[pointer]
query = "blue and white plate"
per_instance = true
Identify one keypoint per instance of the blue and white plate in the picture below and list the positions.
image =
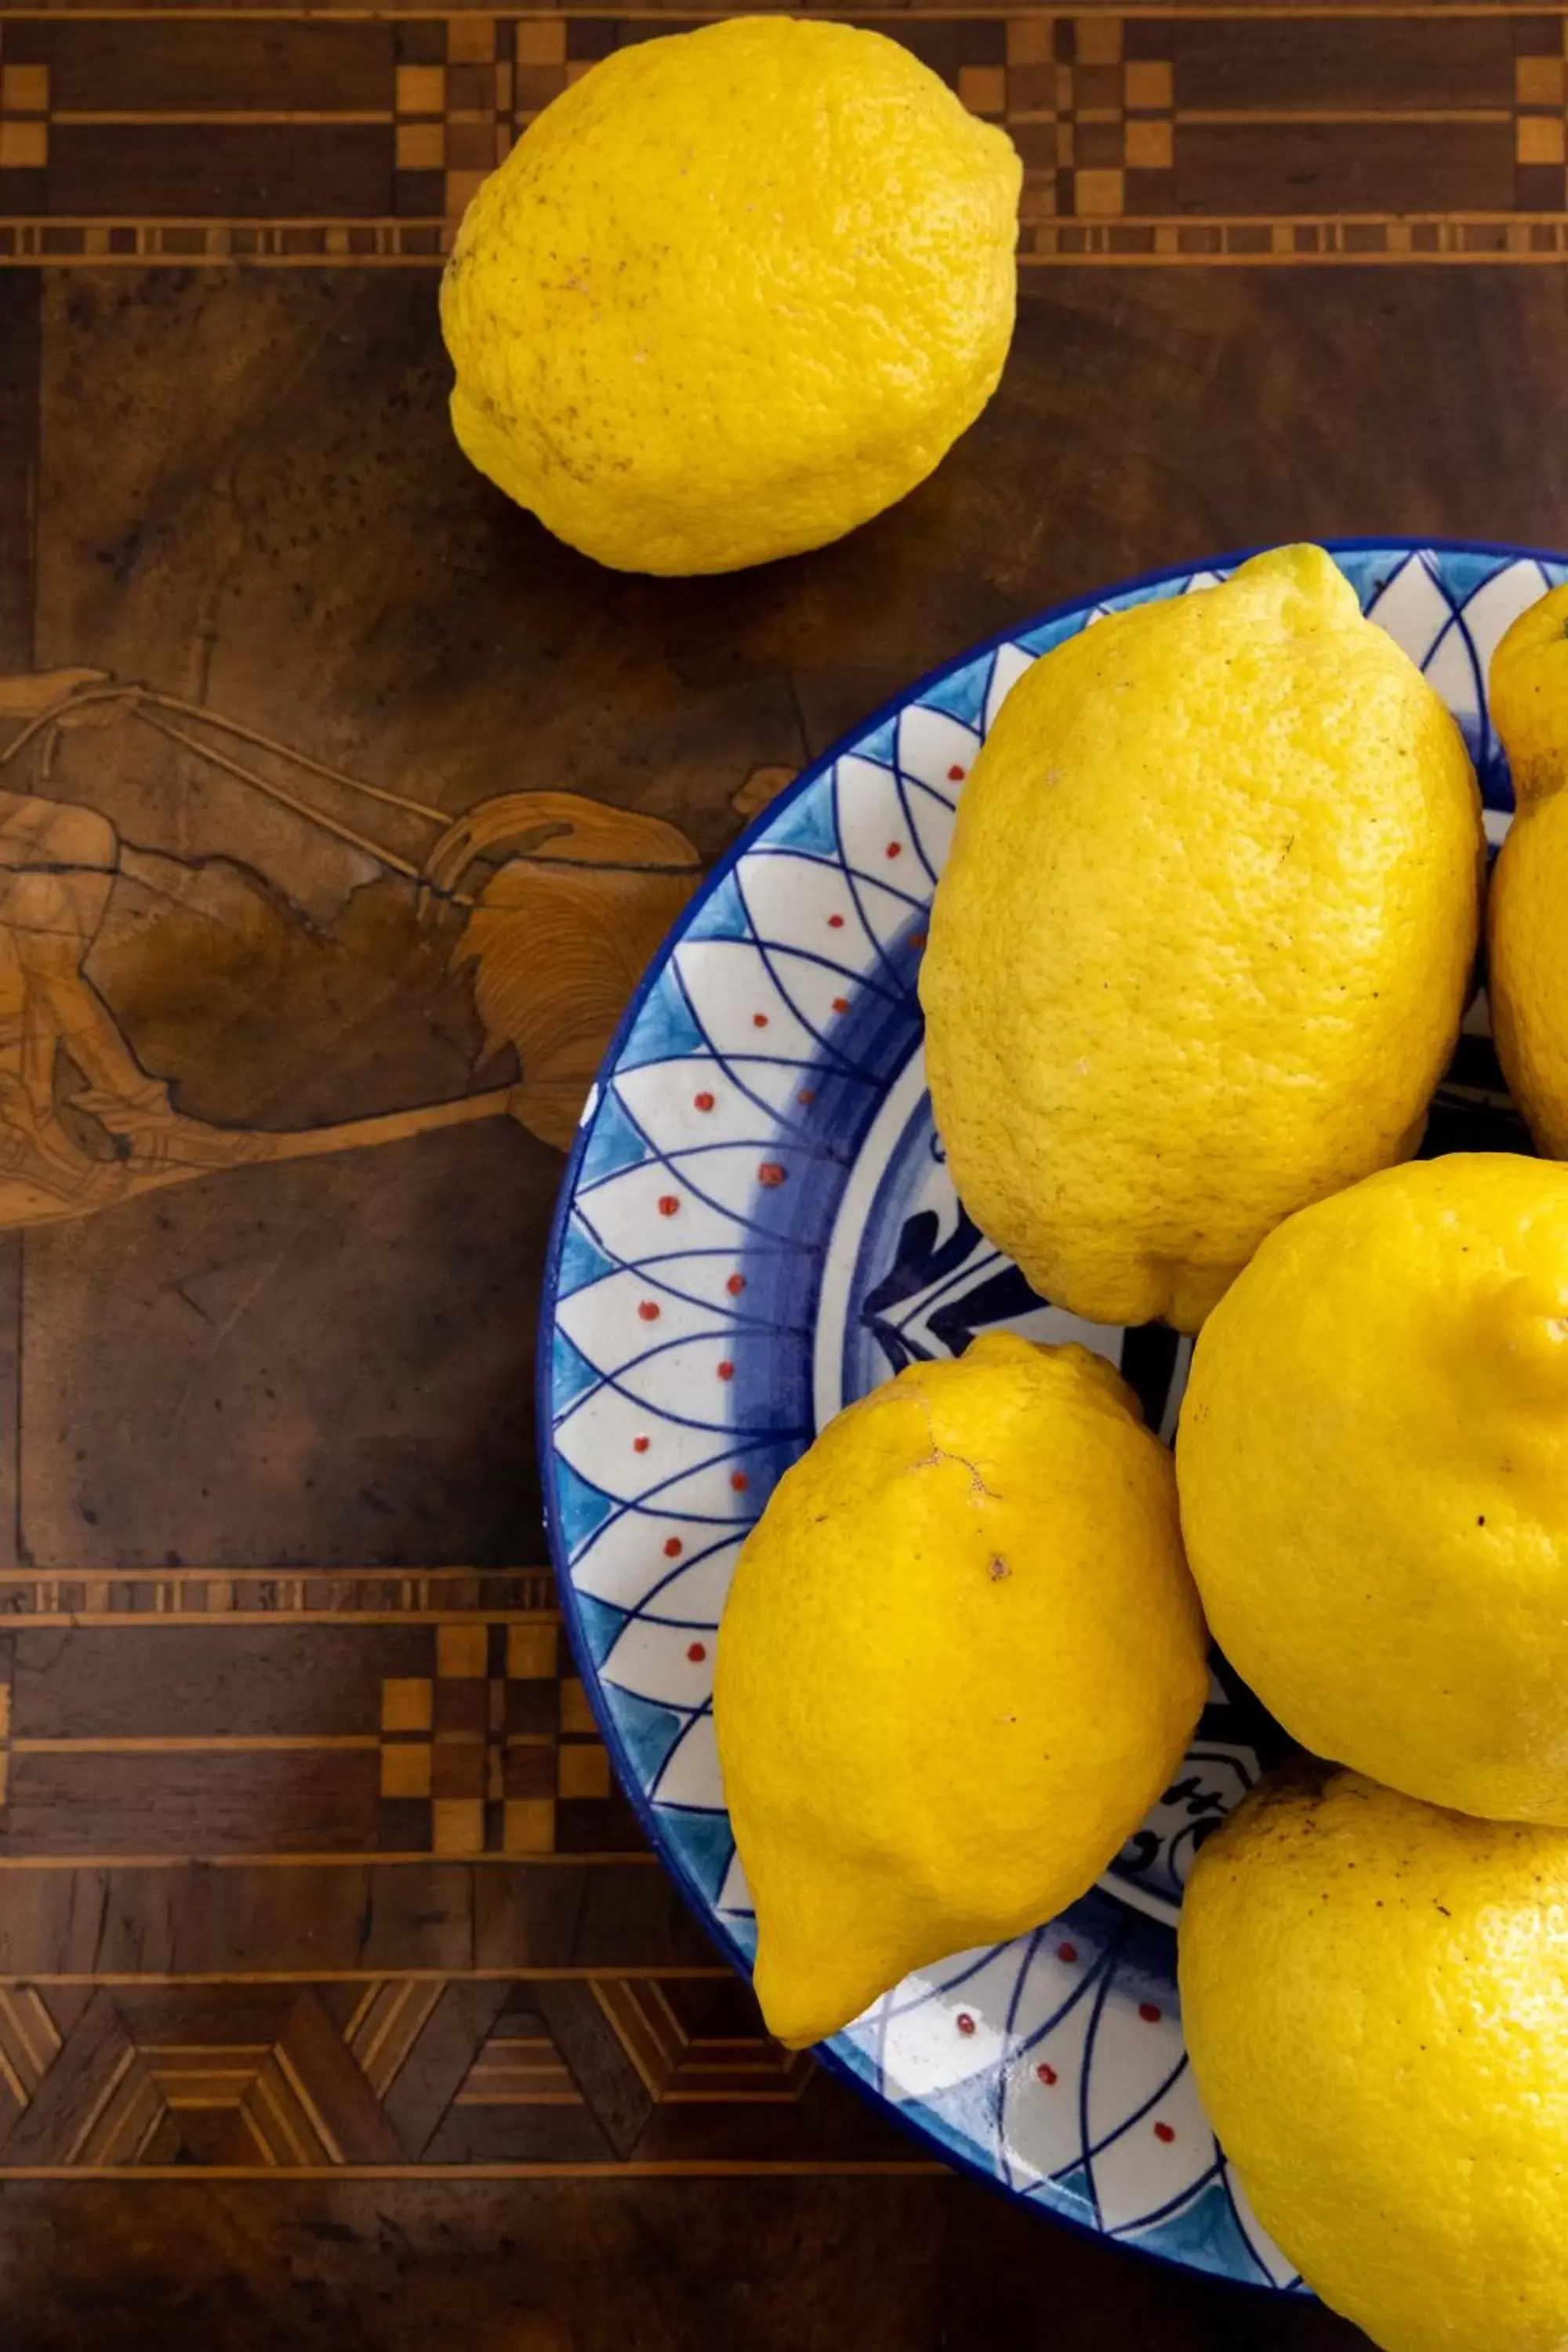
(757, 1226)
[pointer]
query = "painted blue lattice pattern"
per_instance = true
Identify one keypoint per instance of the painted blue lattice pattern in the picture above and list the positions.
(757, 1225)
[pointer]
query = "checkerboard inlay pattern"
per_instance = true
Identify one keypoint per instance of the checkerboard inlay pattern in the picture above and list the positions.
(485, 1753)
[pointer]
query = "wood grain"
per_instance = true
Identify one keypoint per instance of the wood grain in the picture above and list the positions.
(275, 1499)
(254, 171)
(1287, 63)
(302, 1875)
(204, 68)
(926, 2265)
(1260, 134)
(19, 305)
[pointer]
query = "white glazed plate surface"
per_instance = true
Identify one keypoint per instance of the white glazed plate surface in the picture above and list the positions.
(756, 1227)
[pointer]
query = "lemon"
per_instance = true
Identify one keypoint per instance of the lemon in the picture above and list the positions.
(1374, 1995)
(1526, 940)
(1201, 949)
(732, 293)
(1373, 1460)
(961, 1658)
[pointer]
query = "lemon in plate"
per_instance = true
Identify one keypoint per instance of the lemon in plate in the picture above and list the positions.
(961, 1658)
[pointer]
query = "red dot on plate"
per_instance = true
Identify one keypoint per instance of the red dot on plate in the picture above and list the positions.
(841, 1004)
(806, 1097)
(702, 1102)
(956, 775)
(648, 1310)
(759, 1020)
(726, 1371)
(639, 1445)
(835, 922)
(739, 1480)
(771, 1174)
(735, 1284)
(1047, 2075)
(1068, 1952)
(1163, 2132)
(697, 1652)
(895, 848)
(917, 939)
(1149, 2011)
(672, 1547)
(667, 1204)
(964, 2021)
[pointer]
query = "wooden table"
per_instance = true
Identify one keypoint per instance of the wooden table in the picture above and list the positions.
(339, 2004)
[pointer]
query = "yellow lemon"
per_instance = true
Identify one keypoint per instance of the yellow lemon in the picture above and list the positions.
(1374, 1995)
(961, 1659)
(1373, 1460)
(1202, 947)
(733, 292)
(1527, 921)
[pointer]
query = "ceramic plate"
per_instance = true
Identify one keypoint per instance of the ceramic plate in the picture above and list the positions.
(756, 1226)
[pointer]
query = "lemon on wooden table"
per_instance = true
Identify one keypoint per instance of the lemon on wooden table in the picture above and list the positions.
(1202, 945)
(733, 292)
(1374, 1998)
(1373, 1460)
(961, 1658)
(1527, 918)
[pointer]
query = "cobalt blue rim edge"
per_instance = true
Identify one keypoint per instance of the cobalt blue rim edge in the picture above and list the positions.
(670, 1860)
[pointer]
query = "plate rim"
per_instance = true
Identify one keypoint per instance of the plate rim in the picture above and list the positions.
(669, 1860)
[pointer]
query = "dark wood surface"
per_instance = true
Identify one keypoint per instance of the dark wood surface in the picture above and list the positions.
(340, 2004)
(1189, 131)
